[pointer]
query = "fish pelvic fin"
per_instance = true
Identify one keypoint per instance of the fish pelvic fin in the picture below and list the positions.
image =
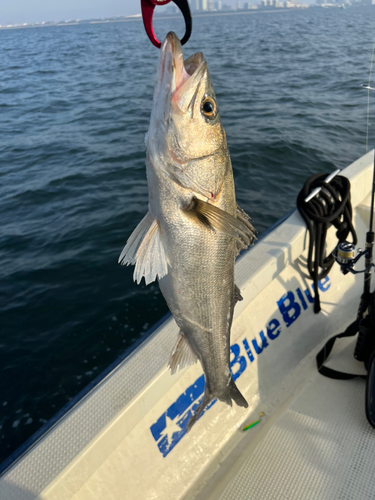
(233, 394)
(145, 249)
(182, 354)
(213, 217)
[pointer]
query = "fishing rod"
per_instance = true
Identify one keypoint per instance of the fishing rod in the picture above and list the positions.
(344, 252)
(365, 345)
(364, 325)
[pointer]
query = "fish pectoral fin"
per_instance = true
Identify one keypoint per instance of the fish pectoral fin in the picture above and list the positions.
(182, 354)
(247, 220)
(243, 215)
(145, 249)
(213, 217)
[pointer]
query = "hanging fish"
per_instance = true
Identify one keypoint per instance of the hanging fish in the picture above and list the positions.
(194, 229)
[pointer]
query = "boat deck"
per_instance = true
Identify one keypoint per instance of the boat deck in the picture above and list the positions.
(125, 436)
(319, 447)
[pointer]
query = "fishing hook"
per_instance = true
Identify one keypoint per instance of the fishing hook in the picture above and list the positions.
(148, 7)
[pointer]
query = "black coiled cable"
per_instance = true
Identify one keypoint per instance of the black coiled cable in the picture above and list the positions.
(330, 206)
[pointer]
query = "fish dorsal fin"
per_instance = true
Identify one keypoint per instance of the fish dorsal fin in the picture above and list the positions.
(237, 294)
(239, 228)
(145, 249)
(182, 354)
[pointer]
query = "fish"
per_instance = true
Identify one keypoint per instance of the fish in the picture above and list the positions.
(193, 229)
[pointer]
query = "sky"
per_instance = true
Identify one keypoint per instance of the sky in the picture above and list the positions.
(34, 11)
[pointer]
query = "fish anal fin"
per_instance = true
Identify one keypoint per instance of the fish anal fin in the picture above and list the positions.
(182, 354)
(145, 249)
(219, 220)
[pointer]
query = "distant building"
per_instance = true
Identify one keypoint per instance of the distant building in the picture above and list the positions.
(218, 5)
(226, 7)
(210, 5)
(238, 5)
(203, 5)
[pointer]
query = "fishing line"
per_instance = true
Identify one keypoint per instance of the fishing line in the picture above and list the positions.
(368, 94)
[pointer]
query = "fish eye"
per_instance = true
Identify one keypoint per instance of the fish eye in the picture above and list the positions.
(209, 107)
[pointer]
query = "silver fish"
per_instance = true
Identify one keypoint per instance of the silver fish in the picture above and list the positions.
(194, 229)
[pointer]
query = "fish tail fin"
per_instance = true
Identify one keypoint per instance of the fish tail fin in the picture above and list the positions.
(207, 398)
(233, 394)
(236, 395)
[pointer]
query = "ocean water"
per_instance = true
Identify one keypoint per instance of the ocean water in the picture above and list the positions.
(74, 107)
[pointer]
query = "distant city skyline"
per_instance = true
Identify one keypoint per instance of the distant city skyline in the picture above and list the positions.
(38, 11)
(31, 12)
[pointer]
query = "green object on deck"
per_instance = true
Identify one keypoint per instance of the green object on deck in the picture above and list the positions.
(251, 425)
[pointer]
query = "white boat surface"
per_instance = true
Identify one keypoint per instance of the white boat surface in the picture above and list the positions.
(124, 438)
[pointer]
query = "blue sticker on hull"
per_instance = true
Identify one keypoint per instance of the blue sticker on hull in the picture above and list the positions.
(171, 426)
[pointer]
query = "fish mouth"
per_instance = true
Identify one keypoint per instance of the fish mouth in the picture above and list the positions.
(183, 76)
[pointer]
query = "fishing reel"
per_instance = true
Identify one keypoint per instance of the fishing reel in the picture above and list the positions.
(344, 255)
